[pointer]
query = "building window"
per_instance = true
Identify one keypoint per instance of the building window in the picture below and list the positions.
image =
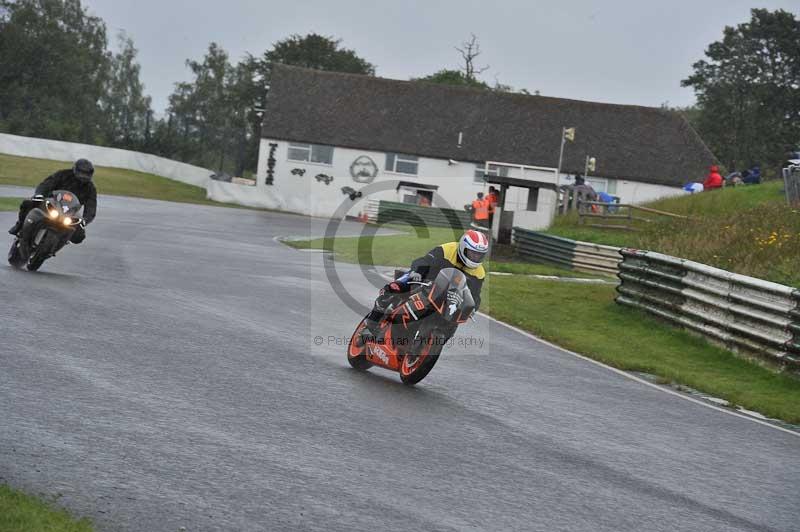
(310, 153)
(402, 164)
(612, 186)
(493, 170)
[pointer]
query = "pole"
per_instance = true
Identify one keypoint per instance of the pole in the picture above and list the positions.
(563, 206)
(560, 157)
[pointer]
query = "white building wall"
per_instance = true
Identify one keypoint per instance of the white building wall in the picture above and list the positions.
(306, 195)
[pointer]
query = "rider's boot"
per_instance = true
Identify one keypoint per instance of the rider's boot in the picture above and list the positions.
(15, 229)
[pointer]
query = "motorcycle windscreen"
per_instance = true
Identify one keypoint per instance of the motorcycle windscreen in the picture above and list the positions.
(67, 202)
(467, 306)
(448, 278)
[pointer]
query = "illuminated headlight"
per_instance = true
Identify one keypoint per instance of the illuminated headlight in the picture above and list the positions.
(67, 220)
(53, 214)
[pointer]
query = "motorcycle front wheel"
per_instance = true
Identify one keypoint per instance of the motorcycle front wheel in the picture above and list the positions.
(417, 365)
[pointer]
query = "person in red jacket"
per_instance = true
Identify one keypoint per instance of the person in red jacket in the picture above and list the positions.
(714, 179)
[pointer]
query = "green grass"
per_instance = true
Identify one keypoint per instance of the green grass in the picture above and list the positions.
(23, 513)
(749, 230)
(9, 204)
(400, 250)
(24, 171)
(394, 250)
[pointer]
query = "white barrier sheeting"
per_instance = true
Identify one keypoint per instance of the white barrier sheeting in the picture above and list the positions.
(57, 150)
(249, 196)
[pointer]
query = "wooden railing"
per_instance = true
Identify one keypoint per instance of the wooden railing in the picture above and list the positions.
(618, 215)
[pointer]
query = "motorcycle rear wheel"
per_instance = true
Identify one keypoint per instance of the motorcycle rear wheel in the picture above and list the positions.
(357, 350)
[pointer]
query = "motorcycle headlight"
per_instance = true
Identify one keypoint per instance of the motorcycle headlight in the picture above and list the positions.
(53, 214)
(67, 220)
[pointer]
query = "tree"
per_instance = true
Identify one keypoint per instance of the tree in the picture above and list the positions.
(454, 77)
(54, 69)
(469, 51)
(318, 52)
(126, 110)
(748, 90)
(214, 119)
(466, 76)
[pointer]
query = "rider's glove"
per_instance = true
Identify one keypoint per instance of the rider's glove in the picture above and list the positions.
(414, 277)
(454, 298)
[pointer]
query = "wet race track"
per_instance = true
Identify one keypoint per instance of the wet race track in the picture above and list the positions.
(166, 374)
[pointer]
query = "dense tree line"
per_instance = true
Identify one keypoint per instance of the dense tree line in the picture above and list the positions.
(748, 91)
(59, 80)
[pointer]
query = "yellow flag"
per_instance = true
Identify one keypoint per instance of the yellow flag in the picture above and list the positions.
(569, 134)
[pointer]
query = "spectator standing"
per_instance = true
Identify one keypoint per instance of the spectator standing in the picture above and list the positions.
(493, 198)
(480, 210)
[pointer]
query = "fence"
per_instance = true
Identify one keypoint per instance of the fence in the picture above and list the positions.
(582, 256)
(791, 181)
(391, 211)
(618, 215)
(744, 313)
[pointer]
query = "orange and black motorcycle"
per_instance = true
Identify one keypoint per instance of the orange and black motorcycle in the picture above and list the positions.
(416, 327)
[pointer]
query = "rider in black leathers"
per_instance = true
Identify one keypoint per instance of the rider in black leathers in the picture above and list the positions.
(77, 180)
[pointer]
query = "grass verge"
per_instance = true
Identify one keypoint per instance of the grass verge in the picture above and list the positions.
(585, 319)
(9, 204)
(24, 171)
(400, 250)
(23, 513)
(748, 230)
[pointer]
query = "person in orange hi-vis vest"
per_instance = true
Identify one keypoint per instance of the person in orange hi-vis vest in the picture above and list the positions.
(480, 209)
(494, 198)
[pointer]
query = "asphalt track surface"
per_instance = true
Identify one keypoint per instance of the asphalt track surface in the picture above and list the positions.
(164, 374)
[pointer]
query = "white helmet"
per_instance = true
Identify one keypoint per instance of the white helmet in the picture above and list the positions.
(472, 247)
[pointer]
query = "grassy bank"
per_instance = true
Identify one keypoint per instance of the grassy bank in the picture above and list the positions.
(749, 230)
(23, 513)
(585, 319)
(24, 171)
(400, 250)
(9, 204)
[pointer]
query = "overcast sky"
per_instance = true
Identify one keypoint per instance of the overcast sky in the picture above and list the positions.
(620, 51)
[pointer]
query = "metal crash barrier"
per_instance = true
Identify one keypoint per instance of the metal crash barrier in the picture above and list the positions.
(744, 313)
(583, 256)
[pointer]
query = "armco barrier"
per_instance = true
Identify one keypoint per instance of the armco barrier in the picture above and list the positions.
(57, 150)
(583, 256)
(391, 211)
(746, 314)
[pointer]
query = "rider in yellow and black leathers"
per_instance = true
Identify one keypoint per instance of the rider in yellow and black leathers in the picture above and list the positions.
(470, 248)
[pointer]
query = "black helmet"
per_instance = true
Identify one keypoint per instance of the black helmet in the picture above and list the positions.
(83, 169)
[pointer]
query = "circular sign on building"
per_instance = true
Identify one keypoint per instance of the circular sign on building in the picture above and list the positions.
(364, 170)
